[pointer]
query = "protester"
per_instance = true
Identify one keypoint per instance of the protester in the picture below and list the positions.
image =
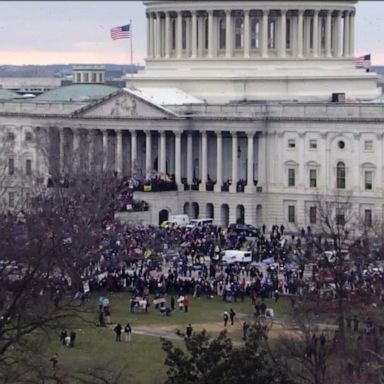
(245, 330)
(117, 331)
(226, 317)
(54, 360)
(189, 331)
(232, 315)
(127, 333)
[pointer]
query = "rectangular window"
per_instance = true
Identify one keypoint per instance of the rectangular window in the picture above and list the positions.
(10, 136)
(368, 217)
(291, 143)
(291, 177)
(312, 215)
(291, 213)
(11, 199)
(255, 26)
(312, 178)
(368, 178)
(368, 145)
(11, 166)
(312, 144)
(340, 218)
(28, 136)
(239, 27)
(28, 167)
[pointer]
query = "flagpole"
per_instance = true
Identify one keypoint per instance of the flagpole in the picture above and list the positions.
(131, 29)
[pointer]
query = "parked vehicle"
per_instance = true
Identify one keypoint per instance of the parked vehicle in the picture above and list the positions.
(235, 256)
(199, 223)
(175, 220)
(246, 229)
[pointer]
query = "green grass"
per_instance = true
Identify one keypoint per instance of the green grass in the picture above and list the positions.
(143, 357)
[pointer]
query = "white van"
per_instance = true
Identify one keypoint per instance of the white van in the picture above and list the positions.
(199, 223)
(234, 256)
(178, 219)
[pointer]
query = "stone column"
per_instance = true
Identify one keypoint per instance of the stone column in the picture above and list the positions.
(204, 165)
(219, 162)
(152, 39)
(178, 158)
(346, 34)
(356, 165)
(158, 35)
(233, 187)
(328, 34)
(250, 187)
(324, 151)
(301, 176)
(148, 35)
(119, 153)
(148, 152)
(163, 156)
(194, 35)
(76, 149)
(201, 44)
(307, 32)
(262, 142)
(339, 41)
(167, 35)
(188, 36)
(210, 34)
(315, 33)
(247, 34)
(379, 151)
(133, 151)
(228, 33)
(300, 33)
(264, 34)
(189, 159)
(105, 150)
(179, 35)
(294, 35)
(283, 33)
(62, 150)
(91, 150)
(352, 34)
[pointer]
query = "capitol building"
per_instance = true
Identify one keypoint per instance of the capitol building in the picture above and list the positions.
(254, 107)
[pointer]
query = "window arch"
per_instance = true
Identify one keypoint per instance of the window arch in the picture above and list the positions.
(340, 175)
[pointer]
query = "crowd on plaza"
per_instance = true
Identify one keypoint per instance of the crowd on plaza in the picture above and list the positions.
(149, 260)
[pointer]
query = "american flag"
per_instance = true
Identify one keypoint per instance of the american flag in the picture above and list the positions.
(123, 32)
(362, 61)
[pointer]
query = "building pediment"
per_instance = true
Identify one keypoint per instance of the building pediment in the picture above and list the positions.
(124, 104)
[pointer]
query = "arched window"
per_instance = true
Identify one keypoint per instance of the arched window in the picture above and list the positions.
(340, 175)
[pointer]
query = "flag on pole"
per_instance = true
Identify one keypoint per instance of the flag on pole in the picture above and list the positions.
(362, 61)
(123, 32)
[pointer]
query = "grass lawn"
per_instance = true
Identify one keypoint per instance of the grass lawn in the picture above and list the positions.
(143, 357)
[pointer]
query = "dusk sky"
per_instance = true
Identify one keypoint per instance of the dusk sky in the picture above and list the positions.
(67, 32)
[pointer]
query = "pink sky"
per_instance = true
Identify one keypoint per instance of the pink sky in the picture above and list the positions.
(78, 32)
